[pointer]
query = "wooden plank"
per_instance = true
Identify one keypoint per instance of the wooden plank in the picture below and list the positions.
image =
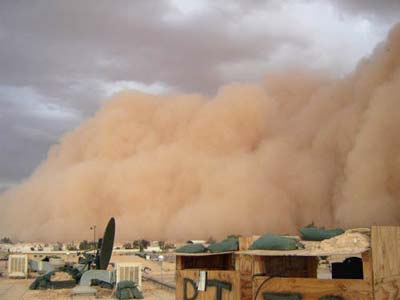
(228, 282)
(299, 252)
(246, 241)
(244, 264)
(246, 287)
(210, 262)
(367, 266)
(388, 289)
(181, 290)
(237, 262)
(204, 253)
(313, 289)
(312, 266)
(230, 262)
(178, 263)
(258, 265)
(385, 244)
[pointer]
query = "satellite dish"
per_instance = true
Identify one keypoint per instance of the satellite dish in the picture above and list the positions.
(107, 244)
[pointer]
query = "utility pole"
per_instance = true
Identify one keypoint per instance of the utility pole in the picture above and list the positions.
(94, 235)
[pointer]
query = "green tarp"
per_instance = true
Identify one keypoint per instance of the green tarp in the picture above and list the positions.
(276, 242)
(44, 282)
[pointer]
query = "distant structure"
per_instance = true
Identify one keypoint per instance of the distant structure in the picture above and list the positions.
(194, 242)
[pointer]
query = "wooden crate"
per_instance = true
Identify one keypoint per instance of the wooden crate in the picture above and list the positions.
(313, 289)
(299, 275)
(221, 285)
(223, 282)
(381, 271)
(272, 271)
(242, 273)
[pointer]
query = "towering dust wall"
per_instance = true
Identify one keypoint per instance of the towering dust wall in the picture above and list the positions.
(255, 158)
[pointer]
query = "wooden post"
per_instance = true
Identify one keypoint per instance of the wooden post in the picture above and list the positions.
(244, 264)
(385, 246)
(179, 262)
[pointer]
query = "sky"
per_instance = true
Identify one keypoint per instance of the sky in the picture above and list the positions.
(60, 60)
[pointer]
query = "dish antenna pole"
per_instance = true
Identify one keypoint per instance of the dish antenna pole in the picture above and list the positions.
(94, 236)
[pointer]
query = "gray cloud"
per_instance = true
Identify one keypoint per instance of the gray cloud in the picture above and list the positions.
(60, 59)
(140, 40)
(387, 10)
(29, 124)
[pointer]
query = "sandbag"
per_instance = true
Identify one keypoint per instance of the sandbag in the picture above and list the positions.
(229, 244)
(126, 284)
(125, 294)
(128, 290)
(282, 296)
(129, 293)
(137, 294)
(276, 242)
(42, 282)
(192, 248)
(319, 234)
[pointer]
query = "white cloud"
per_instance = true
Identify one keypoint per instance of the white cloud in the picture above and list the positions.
(28, 101)
(317, 35)
(188, 7)
(117, 86)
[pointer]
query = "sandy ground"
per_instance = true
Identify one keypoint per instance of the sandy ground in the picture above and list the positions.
(18, 289)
